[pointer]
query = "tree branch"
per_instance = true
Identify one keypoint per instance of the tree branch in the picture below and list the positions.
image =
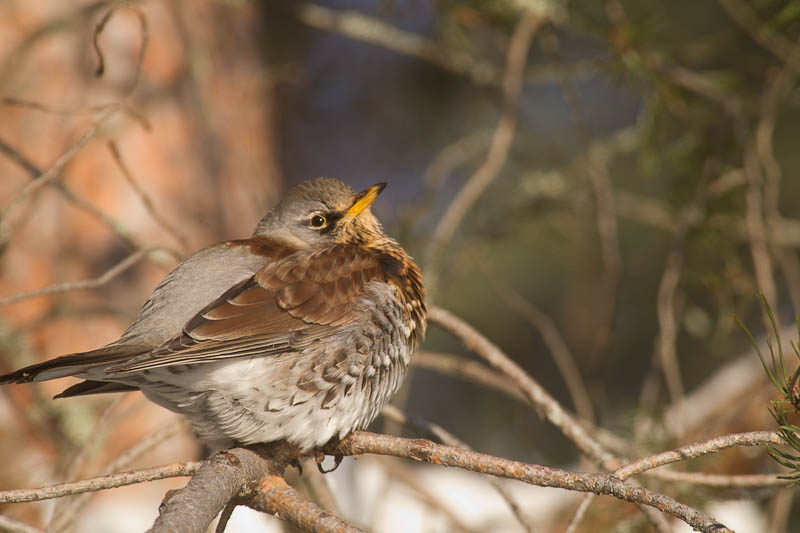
(606, 484)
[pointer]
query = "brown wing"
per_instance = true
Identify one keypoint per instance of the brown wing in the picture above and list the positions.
(285, 306)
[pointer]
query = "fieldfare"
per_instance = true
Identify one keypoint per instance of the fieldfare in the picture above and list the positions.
(301, 333)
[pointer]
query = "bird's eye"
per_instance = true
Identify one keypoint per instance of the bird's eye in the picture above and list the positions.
(317, 221)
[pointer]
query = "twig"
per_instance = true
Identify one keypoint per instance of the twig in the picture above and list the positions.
(778, 45)
(463, 368)
(374, 31)
(103, 279)
(111, 481)
(116, 227)
(579, 513)
(12, 60)
(690, 451)
(100, 429)
(98, 29)
(668, 309)
(605, 484)
(146, 200)
(594, 165)
(500, 143)
(445, 437)
(721, 481)
(9, 525)
(780, 509)
(144, 32)
(61, 521)
(275, 496)
(55, 169)
(552, 338)
(240, 472)
(400, 473)
(446, 161)
(46, 108)
(81, 203)
(774, 94)
(756, 227)
(547, 406)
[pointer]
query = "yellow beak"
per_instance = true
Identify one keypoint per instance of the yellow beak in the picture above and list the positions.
(365, 199)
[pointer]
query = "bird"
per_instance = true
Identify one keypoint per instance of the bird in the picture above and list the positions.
(300, 333)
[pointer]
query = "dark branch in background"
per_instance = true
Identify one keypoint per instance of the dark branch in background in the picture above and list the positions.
(499, 147)
(541, 400)
(468, 370)
(371, 30)
(778, 45)
(551, 337)
(544, 403)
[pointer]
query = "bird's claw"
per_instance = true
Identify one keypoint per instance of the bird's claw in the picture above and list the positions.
(320, 457)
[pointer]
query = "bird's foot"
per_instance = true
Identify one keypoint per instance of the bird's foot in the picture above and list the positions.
(319, 457)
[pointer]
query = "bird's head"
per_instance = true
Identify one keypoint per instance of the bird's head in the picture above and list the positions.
(322, 212)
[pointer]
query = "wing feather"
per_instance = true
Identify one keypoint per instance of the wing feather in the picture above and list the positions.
(286, 305)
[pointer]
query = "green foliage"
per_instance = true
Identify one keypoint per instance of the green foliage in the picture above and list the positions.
(787, 385)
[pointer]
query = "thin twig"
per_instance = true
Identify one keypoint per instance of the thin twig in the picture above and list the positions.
(363, 28)
(552, 338)
(594, 166)
(100, 429)
(46, 108)
(111, 481)
(757, 228)
(9, 525)
(225, 516)
(62, 520)
(463, 368)
(398, 472)
(55, 169)
(93, 283)
(776, 91)
(547, 406)
(697, 449)
(500, 144)
(721, 481)
(746, 17)
(579, 513)
(445, 437)
(146, 200)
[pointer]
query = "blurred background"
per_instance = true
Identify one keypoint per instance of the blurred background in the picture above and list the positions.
(598, 197)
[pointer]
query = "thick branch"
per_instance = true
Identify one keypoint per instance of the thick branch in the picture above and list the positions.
(276, 497)
(217, 482)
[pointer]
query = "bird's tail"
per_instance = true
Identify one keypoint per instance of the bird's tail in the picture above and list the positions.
(75, 364)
